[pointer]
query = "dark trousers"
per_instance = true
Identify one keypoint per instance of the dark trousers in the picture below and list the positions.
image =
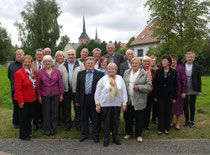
(147, 110)
(15, 116)
(61, 112)
(111, 122)
(189, 100)
(37, 113)
(87, 111)
(25, 117)
(68, 98)
(154, 111)
(165, 108)
(50, 113)
(129, 115)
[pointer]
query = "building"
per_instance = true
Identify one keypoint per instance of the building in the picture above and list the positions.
(84, 38)
(144, 41)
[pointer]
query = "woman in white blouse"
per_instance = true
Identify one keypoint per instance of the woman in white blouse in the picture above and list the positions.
(109, 96)
(138, 85)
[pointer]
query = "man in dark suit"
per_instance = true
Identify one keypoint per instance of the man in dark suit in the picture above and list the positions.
(37, 109)
(85, 90)
(113, 57)
(127, 64)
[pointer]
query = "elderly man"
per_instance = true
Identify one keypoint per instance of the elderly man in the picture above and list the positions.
(13, 67)
(86, 86)
(83, 54)
(127, 64)
(47, 51)
(37, 110)
(97, 56)
(73, 66)
(150, 98)
(113, 57)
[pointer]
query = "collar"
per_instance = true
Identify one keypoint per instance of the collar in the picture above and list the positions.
(70, 62)
(39, 62)
(89, 71)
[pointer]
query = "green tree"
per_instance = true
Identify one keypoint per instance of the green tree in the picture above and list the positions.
(63, 42)
(5, 45)
(103, 48)
(79, 49)
(91, 45)
(128, 45)
(180, 25)
(40, 27)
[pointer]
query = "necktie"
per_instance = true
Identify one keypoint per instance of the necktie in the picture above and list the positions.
(88, 84)
(39, 66)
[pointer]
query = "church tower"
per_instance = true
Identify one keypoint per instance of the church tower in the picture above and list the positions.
(84, 38)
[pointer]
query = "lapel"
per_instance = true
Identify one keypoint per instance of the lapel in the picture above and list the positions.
(83, 77)
(35, 68)
(126, 65)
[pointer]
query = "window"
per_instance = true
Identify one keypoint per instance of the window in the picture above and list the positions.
(140, 52)
(142, 37)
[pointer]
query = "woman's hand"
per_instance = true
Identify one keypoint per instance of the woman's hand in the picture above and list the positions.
(124, 107)
(155, 99)
(183, 95)
(173, 101)
(199, 93)
(40, 99)
(98, 108)
(136, 87)
(61, 98)
(21, 105)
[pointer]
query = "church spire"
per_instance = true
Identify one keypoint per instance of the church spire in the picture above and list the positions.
(84, 23)
(96, 35)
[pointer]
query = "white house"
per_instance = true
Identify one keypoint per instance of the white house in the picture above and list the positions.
(143, 41)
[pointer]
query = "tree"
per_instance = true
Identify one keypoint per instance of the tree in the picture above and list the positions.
(64, 41)
(79, 49)
(5, 45)
(40, 27)
(128, 45)
(103, 48)
(180, 25)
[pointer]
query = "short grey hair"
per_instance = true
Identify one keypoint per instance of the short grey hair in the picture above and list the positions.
(59, 52)
(110, 44)
(189, 53)
(20, 51)
(112, 64)
(96, 49)
(48, 57)
(47, 48)
(128, 51)
(71, 51)
(146, 58)
(90, 58)
(39, 49)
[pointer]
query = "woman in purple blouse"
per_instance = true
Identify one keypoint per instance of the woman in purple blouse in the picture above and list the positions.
(51, 92)
(177, 108)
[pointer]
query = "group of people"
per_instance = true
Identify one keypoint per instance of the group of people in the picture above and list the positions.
(99, 86)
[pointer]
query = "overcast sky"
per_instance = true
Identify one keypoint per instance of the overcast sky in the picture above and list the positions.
(115, 19)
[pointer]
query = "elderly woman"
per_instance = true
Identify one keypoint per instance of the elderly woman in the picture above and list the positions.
(59, 61)
(26, 91)
(103, 62)
(138, 85)
(109, 96)
(165, 89)
(193, 88)
(51, 92)
(177, 108)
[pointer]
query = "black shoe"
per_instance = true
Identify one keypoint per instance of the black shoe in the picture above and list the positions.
(117, 142)
(177, 129)
(186, 123)
(106, 143)
(35, 127)
(47, 134)
(16, 126)
(96, 140)
(191, 125)
(83, 139)
(26, 139)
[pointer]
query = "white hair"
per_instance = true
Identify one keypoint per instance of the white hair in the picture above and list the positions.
(71, 51)
(112, 64)
(110, 44)
(190, 53)
(20, 51)
(129, 51)
(47, 48)
(59, 52)
(146, 58)
(96, 49)
(48, 57)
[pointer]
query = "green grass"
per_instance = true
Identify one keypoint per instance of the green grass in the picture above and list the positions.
(201, 130)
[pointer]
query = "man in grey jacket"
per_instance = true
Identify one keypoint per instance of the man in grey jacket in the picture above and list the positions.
(73, 66)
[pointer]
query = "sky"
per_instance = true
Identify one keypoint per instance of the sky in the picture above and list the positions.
(114, 19)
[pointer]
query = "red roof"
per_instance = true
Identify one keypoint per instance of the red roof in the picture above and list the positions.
(123, 45)
(145, 36)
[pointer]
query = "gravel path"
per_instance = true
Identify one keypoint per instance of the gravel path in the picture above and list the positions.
(62, 147)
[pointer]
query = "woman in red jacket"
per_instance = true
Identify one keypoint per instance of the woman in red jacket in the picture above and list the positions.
(26, 91)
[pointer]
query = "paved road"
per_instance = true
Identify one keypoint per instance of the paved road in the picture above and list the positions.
(62, 147)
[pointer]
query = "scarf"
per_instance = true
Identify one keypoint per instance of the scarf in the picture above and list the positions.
(31, 77)
(113, 89)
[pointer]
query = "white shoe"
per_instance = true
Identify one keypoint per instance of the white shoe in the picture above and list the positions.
(126, 136)
(139, 139)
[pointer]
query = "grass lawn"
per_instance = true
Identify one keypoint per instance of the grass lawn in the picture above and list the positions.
(201, 130)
